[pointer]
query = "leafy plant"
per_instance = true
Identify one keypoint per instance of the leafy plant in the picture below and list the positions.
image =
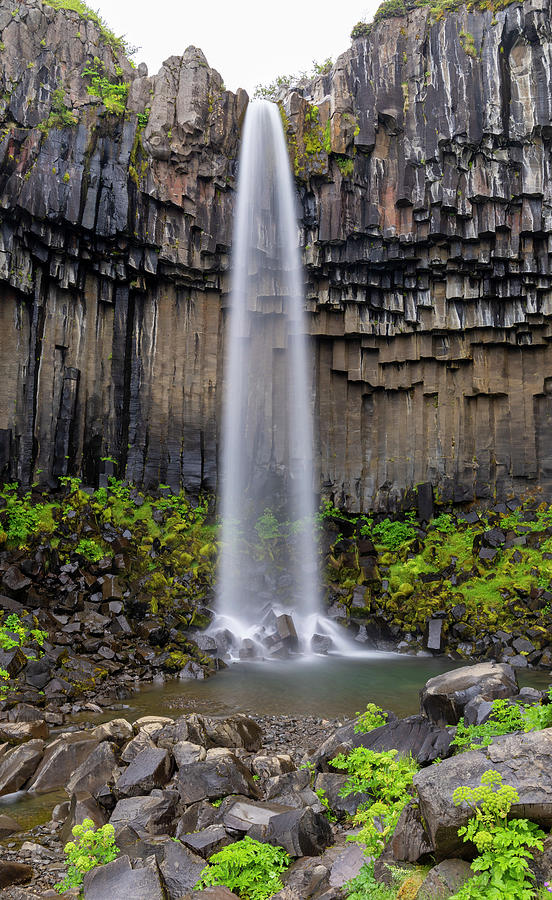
(505, 718)
(92, 848)
(249, 868)
(13, 633)
(387, 778)
(60, 114)
(91, 550)
(504, 847)
(113, 94)
(330, 815)
(393, 534)
(365, 886)
(372, 717)
(4, 682)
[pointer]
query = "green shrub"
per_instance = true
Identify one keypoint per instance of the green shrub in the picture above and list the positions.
(365, 886)
(372, 717)
(14, 634)
(113, 94)
(4, 682)
(60, 114)
(249, 868)
(393, 535)
(505, 718)
(91, 550)
(92, 848)
(504, 847)
(387, 778)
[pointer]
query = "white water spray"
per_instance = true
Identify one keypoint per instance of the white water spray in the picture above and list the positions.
(267, 434)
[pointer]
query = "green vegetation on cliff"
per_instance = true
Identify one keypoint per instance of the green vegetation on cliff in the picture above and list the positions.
(438, 9)
(84, 12)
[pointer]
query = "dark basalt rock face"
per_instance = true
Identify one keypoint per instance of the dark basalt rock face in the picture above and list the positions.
(422, 164)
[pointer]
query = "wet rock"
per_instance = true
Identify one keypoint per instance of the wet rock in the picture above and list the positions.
(523, 760)
(37, 673)
(444, 697)
(119, 879)
(292, 789)
(14, 873)
(218, 775)
(153, 814)
(18, 765)
(445, 879)
(285, 627)
(321, 643)
(152, 768)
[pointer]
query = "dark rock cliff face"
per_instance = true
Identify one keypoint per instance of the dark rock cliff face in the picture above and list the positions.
(422, 166)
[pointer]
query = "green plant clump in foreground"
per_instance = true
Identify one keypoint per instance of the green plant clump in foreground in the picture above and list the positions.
(387, 779)
(505, 718)
(365, 886)
(372, 717)
(248, 868)
(84, 11)
(92, 848)
(504, 847)
(15, 634)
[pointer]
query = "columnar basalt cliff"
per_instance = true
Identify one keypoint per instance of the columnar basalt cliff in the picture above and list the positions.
(423, 172)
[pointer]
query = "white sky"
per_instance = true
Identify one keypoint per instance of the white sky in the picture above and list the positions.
(247, 42)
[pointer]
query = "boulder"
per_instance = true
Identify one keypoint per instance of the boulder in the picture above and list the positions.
(118, 730)
(8, 826)
(20, 732)
(151, 769)
(99, 768)
(523, 760)
(541, 864)
(14, 873)
(302, 832)
(292, 789)
(180, 868)
(444, 697)
(269, 766)
(153, 814)
(119, 879)
(18, 765)
(445, 879)
(332, 783)
(410, 842)
(60, 760)
(233, 732)
(135, 746)
(218, 775)
(207, 841)
(80, 808)
(185, 753)
(414, 735)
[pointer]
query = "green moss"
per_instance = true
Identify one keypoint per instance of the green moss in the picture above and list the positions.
(60, 114)
(345, 165)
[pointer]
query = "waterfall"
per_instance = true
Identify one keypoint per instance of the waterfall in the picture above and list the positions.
(267, 432)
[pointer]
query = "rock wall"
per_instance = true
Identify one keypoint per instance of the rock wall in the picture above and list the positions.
(422, 164)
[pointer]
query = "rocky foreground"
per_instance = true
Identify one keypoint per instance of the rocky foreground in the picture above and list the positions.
(178, 790)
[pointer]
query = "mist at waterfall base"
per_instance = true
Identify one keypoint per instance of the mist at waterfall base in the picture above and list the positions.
(268, 595)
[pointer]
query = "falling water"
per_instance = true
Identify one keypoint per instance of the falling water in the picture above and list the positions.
(267, 436)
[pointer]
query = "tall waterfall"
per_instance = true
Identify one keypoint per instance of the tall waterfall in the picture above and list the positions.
(267, 433)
